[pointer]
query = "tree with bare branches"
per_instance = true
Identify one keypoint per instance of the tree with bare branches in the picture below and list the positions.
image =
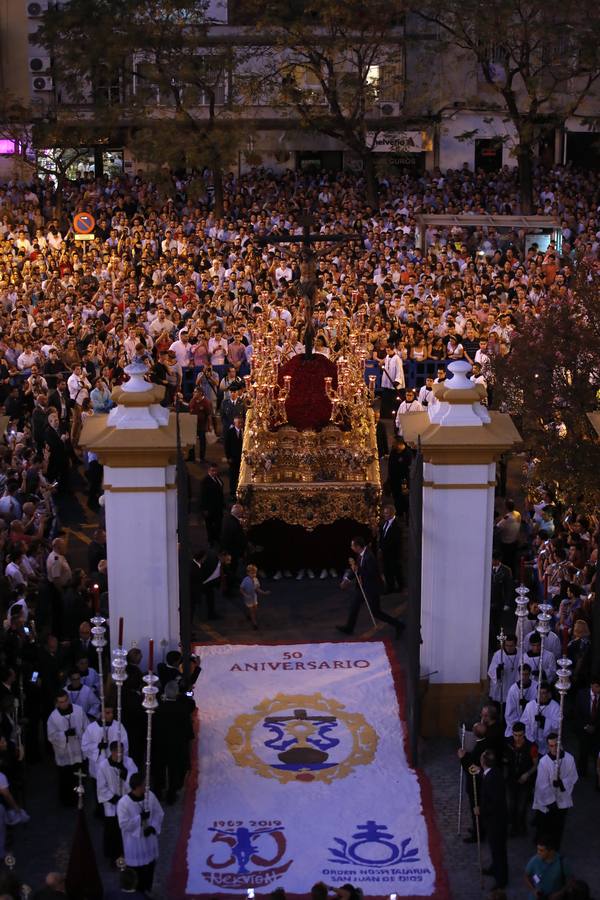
(539, 62)
(550, 381)
(333, 64)
(162, 66)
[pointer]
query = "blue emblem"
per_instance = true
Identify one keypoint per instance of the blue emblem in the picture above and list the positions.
(303, 740)
(373, 845)
(246, 855)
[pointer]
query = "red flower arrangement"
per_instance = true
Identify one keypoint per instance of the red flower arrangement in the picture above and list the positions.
(307, 406)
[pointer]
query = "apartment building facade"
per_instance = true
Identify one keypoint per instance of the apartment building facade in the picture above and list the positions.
(433, 107)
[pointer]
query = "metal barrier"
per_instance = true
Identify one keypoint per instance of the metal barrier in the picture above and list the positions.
(415, 372)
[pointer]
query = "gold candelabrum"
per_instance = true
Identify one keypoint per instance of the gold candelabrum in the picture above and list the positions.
(352, 396)
(309, 477)
(265, 396)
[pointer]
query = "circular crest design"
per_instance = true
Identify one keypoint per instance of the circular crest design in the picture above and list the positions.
(302, 737)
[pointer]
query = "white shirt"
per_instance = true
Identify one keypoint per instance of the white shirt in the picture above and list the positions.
(392, 372)
(533, 731)
(548, 665)
(413, 407)
(58, 569)
(513, 710)
(109, 782)
(425, 396)
(545, 793)
(138, 849)
(551, 643)
(183, 352)
(79, 387)
(15, 576)
(93, 735)
(86, 699)
(499, 689)
(67, 750)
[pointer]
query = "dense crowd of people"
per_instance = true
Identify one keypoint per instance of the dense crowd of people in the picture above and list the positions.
(169, 283)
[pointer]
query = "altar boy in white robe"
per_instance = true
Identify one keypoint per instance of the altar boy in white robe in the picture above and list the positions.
(140, 828)
(95, 743)
(112, 779)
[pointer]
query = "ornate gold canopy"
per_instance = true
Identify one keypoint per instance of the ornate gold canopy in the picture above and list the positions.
(310, 476)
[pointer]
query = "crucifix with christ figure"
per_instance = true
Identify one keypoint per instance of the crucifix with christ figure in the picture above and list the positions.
(308, 257)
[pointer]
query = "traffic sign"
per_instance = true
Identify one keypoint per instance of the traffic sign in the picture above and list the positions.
(83, 223)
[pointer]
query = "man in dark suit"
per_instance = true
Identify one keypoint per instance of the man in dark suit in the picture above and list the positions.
(381, 436)
(60, 400)
(212, 503)
(39, 422)
(390, 549)
(58, 460)
(234, 542)
(467, 759)
(82, 647)
(502, 594)
(234, 437)
(96, 549)
(494, 816)
(206, 572)
(367, 583)
(399, 463)
(587, 725)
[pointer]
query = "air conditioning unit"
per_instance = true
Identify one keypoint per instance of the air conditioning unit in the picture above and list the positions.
(37, 8)
(389, 109)
(42, 83)
(39, 64)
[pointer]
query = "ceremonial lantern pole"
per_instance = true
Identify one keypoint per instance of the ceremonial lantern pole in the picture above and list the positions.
(119, 676)
(149, 702)
(521, 612)
(543, 628)
(563, 685)
(501, 638)
(463, 729)
(99, 642)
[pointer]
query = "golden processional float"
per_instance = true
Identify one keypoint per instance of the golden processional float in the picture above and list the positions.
(309, 477)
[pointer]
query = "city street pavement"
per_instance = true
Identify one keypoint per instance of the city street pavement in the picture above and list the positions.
(294, 612)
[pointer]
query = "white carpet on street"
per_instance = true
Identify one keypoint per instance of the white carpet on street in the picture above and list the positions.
(302, 775)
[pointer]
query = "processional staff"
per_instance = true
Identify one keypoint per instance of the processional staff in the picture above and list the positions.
(119, 676)
(543, 629)
(563, 685)
(99, 642)
(521, 612)
(463, 729)
(150, 703)
(501, 639)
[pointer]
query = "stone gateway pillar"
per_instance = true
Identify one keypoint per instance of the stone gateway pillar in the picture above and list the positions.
(460, 441)
(137, 445)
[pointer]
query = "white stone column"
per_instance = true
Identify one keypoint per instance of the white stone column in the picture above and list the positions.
(460, 442)
(136, 443)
